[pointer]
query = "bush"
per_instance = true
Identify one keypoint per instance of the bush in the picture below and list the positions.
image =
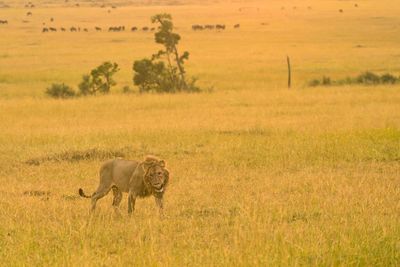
(60, 90)
(314, 83)
(389, 78)
(326, 80)
(366, 78)
(151, 76)
(100, 79)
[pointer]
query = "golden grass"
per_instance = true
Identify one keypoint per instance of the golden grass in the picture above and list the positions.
(261, 175)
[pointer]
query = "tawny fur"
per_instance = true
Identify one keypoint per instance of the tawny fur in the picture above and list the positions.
(139, 179)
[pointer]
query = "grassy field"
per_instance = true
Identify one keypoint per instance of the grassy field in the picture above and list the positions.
(261, 175)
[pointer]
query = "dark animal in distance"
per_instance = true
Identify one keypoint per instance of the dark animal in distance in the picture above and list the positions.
(29, 14)
(116, 29)
(236, 26)
(133, 29)
(197, 27)
(98, 29)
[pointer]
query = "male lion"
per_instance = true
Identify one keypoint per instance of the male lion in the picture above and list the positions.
(139, 179)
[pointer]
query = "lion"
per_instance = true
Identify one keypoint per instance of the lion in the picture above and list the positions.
(138, 179)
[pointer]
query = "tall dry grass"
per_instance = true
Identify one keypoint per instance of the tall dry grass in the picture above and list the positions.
(261, 175)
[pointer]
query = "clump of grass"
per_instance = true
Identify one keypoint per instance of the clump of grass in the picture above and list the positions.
(60, 90)
(366, 78)
(73, 156)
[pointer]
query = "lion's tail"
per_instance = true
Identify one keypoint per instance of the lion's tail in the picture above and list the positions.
(82, 194)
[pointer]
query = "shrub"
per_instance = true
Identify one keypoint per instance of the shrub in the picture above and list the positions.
(60, 90)
(368, 78)
(326, 80)
(100, 79)
(314, 83)
(389, 78)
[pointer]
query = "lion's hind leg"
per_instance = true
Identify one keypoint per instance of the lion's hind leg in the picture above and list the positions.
(102, 191)
(117, 198)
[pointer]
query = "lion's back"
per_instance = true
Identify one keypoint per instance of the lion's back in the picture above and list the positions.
(120, 171)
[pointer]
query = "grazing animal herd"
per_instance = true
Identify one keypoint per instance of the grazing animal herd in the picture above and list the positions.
(135, 28)
(197, 27)
(98, 29)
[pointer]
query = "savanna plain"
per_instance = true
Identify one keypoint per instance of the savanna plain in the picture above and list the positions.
(261, 175)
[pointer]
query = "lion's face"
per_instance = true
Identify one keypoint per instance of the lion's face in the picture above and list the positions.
(157, 176)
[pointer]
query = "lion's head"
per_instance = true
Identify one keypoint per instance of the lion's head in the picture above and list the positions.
(156, 176)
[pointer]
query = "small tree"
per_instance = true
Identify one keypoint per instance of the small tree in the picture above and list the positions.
(60, 90)
(100, 79)
(164, 71)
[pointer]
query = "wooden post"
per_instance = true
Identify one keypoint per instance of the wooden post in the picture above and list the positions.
(289, 73)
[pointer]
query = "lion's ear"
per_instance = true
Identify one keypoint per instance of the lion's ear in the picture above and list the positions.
(162, 163)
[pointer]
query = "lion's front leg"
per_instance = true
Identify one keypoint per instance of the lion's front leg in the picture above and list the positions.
(131, 202)
(160, 204)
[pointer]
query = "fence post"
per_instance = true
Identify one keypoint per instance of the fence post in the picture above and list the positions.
(289, 73)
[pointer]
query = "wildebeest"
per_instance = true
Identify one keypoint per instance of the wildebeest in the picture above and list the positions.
(145, 29)
(197, 27)
(3, 22)
(45, 30)
(51, 19)
(85, 30)
(62, 29)
(209, 27)
(116, 29)
(236, 26)
(98, 29)
(220, 26)
(52, 29)
(73, 29)
(29, 14)
(133, 29)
